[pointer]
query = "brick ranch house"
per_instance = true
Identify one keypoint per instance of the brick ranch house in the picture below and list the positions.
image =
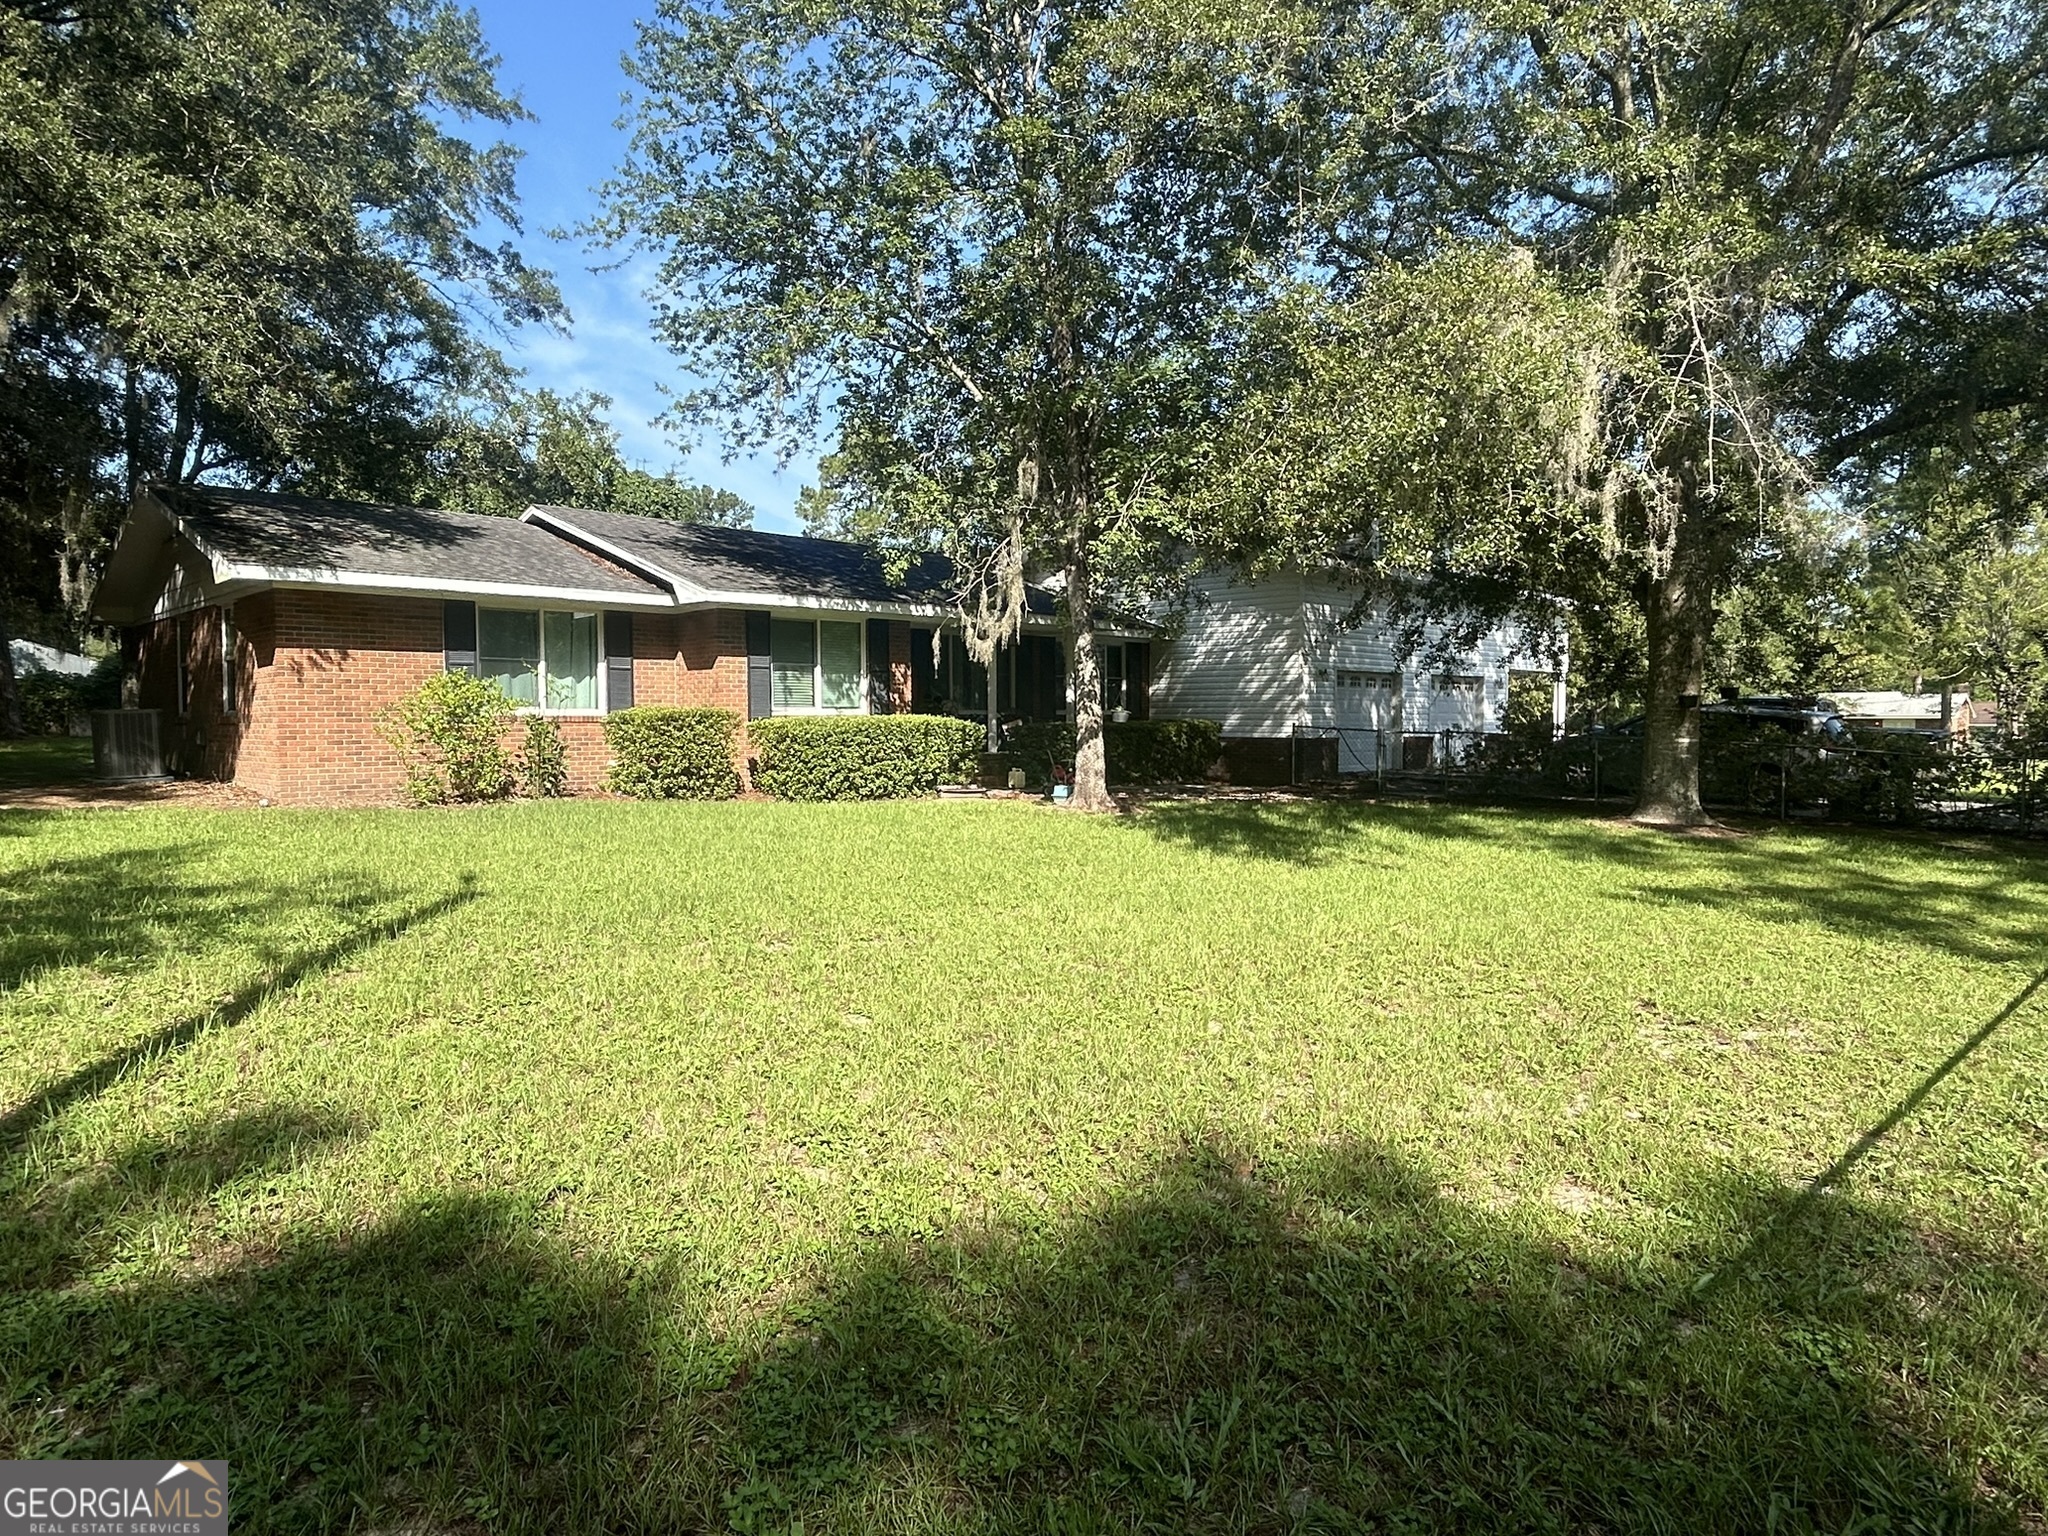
(271, 631)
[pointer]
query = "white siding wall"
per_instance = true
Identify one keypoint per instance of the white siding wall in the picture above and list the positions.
(1238, 661)
(1263, 659)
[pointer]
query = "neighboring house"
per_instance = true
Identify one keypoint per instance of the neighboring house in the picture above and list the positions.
(272, 631)
(1891, 710)
(1300, 686)
(30, 657)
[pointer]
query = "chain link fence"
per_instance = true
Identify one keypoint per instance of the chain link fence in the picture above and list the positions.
(1884, 778)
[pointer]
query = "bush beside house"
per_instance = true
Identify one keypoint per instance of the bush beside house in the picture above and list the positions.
(543, 760)
(449, 734)
(861, 757)
(660, 752)
(1140, 751)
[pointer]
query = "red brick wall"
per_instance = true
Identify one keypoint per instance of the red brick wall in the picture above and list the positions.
(318, 668)
(656, 640)
(200, 737)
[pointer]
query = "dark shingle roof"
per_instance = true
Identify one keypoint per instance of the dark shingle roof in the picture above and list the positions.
(307, 533)
(770, 565)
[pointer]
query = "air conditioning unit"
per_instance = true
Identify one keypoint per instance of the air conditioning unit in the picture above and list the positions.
(127, 744)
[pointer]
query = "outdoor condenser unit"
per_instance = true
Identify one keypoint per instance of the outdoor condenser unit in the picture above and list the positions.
(128, 744)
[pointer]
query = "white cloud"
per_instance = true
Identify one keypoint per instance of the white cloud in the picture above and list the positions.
(611, 350)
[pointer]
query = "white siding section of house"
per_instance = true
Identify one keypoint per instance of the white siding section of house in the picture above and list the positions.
(1263, 659)
(1238, 661)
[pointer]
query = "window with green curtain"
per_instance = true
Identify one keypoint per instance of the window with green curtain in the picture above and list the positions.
(571, 649)
(839, 665)
(793, 658)
(508, 651)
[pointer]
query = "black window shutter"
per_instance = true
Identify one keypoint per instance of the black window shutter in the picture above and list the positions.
(1138, 679)
(458, 636)
(618, 661)
(878, 667)
(923, 681)
(760, 670)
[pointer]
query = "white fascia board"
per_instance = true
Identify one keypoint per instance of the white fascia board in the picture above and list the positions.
(312, 578)
(684, 589)
(940, 613)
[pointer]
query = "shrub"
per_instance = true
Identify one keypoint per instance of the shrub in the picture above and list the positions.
(1140, 751)
(543, 765)
(1162, 751)
(449, 734)
(50, 699)
(862, 757)
(663, 753)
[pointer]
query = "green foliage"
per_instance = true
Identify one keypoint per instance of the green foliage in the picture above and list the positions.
(545, 449)
(257, 218)
(543, 765)
(1752, 249)
(663, 753)
(449, 734)
(1140, 751)
(862, 757)
(50, 699)
(987, 246)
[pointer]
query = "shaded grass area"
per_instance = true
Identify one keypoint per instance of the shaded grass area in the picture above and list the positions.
(28, 761)
(607, 1167)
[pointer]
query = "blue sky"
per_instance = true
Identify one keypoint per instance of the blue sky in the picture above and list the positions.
(563, 60)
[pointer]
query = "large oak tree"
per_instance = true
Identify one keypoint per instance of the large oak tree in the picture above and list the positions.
(1606, 287)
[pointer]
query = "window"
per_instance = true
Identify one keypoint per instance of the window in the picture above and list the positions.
(508, 648)
(816, 665)
(542, 660)
(569, 659)
(793, 654)
(1115, 678)
(962, 681)
(228, 669)
(839, 665)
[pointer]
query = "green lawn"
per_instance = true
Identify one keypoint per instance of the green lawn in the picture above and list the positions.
(962, 1167)
(38, 760)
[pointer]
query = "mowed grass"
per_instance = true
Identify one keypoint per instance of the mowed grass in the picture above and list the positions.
(976, 1167)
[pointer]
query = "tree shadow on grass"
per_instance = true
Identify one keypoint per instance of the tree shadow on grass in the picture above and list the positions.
(128, 906)
(1323, 1344)
(1982, 900)
(21, 1122)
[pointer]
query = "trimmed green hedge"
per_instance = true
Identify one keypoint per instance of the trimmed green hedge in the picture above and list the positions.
(663, 753)
(1140, 751)
(862, 757)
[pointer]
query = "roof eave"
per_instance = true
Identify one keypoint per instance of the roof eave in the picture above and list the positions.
(382, 583)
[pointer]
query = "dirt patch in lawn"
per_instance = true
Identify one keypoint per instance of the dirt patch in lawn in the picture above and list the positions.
(91, 795)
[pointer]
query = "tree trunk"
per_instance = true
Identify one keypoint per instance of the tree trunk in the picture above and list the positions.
(1091, 759)
(1680, 611)
(132, 473)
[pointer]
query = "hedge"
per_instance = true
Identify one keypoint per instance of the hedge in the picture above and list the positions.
(1140, 751)
(862, 757)
(663, 753)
